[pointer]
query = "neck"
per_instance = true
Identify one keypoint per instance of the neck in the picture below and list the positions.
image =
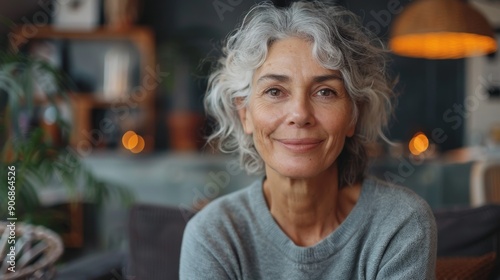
(308, 210)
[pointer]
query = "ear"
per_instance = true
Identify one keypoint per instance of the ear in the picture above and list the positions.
(243, 113)
(351, 129)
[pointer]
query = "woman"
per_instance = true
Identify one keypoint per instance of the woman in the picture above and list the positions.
(298, 94)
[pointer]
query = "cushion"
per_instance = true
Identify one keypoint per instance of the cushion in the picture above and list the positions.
(468, 242)
(474, 268)
(468, 231)
(155, 237)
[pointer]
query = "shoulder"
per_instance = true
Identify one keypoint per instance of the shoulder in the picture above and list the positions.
(212, 237)
(405, 230)
(396, 201)
(223, 215)
(390, 195)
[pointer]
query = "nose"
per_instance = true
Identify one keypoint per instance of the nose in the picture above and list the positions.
(300, 112)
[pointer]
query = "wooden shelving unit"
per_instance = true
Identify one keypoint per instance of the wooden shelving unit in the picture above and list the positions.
(83, 103)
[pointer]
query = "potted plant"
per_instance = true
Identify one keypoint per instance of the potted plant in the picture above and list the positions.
(183, 57)
(37, 154)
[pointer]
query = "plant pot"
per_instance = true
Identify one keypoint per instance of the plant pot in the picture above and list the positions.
(186, 131)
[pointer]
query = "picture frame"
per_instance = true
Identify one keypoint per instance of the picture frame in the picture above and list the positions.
(77, 14)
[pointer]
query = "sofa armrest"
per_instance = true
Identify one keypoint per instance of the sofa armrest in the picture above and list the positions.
(105, 266)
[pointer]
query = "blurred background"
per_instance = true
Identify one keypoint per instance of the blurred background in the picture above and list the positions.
(134, 74)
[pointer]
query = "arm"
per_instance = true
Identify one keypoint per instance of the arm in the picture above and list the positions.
(411, 253)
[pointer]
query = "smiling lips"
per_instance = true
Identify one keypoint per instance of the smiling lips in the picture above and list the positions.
(300, 145)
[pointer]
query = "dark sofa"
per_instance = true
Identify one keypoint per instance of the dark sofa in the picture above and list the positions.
(468, 246)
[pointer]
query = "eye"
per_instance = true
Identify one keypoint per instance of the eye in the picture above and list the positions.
(274, 92)
(326, 92)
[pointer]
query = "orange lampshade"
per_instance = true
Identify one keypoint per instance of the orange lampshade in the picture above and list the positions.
(441, 29)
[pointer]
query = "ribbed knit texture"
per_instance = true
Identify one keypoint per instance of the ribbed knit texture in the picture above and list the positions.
(389, 234)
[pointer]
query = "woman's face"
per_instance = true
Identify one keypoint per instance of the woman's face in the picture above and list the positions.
(298, 112)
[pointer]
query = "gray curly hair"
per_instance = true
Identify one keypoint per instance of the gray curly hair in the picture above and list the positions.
(339, 42)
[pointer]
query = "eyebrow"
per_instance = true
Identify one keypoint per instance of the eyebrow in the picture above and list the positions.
(320, 79)
(284, 78)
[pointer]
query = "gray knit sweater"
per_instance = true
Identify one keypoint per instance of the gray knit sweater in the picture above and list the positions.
(389, 234)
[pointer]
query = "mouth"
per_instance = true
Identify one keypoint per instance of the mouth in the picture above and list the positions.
(300, 145)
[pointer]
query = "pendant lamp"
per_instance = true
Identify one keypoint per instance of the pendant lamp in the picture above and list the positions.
(441, 29)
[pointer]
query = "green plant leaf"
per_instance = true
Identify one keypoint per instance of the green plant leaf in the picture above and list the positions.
(38, 162)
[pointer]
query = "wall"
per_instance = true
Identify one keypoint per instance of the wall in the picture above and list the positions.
(482, 111)
(15, 10)
(215, 17)
(427, 88)
(482, 73)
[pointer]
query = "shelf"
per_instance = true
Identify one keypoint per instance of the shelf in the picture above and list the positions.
(87, 107)
(137, 33)
(94, 100)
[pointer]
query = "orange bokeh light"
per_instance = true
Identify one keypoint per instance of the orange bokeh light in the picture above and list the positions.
(418, 144)
(126, 139)
(139, 146)
(133, 142)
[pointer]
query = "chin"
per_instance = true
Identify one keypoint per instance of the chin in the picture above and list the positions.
(299, 172)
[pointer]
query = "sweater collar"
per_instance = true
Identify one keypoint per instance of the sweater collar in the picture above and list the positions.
(327, 247)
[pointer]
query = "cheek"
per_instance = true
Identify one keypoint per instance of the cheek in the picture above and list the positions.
(340, 125)
(265, 119)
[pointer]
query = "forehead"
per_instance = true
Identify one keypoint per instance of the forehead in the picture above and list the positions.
(292, 56)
